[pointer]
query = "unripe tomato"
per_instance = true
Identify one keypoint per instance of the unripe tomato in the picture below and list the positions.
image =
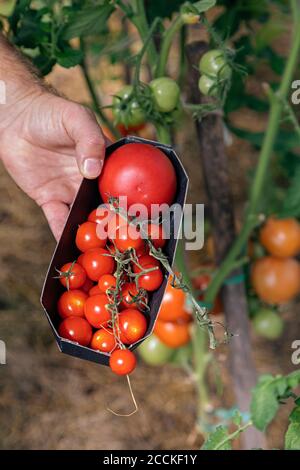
(133, 326)
(213, 64)
(172, 334)
(154, 352)
(122, 362)
(268, 324)
(103, 340)
(125, 111)
(87, 238)
(97, 262)
(76, 329)
(165, 93)
(281, 237)
(71, 303)
(276, 280)
(133, 170)
(208, 86)
(72, 275)
(96, 310)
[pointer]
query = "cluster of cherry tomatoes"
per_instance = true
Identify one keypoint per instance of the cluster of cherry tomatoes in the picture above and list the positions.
(214, 71)
(108, 287)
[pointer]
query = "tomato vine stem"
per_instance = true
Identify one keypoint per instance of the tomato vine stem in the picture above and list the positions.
(252, 215)
(166, 45)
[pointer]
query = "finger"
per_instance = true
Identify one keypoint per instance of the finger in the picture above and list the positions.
(56, 213)
(83, 128)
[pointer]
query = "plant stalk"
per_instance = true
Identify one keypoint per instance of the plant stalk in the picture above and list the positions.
(141, 23)
(166, 46)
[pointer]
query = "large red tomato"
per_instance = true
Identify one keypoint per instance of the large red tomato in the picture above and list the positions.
(141, 172)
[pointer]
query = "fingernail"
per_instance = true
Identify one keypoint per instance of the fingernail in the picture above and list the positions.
(91, 167)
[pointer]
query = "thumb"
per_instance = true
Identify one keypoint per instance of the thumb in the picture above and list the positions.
(84, 130)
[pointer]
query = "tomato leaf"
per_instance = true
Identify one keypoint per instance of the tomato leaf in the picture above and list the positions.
(69, 57)
(88, 20)
(204, 5)
(264, 403)
(218, 440)
(292, 436)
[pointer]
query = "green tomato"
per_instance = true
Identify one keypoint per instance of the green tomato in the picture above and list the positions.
(207, 86)
(166, 94)
(268, 324)
(154, 352)
(127, 111)
(214, 65)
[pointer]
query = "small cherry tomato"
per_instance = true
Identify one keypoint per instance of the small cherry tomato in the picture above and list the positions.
(101, 217)
(72, 275)
(157, 235)
(133, 326)
(268, 324)
(172, 334)
(71, 303)
(276, 280)
(213, 64)
(126, 109)
(103, 340)
(173, 304)
(122, 362)
(107, 281)
(95, 291)
(208, 86)
(146, 260)
(87, 237)
(97, 262)
(131, 297)
(151, 280)
(127, 236)
(165, 93)
(281, 237)
(76, 329)
(96, 310)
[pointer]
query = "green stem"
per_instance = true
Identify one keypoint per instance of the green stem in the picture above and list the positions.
(233, 435)
(262, 167)
(141, 23)
(163, 135)
(94, 96)
(166, 45)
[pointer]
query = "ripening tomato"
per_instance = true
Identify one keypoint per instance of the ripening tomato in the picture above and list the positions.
(157, 235)
(134, 170)
(76, 329)
(103, 340)
(268, 324)
(276, 280)
(122, 362)
(154, 352)
(151, 280)
(97, 262)
(281, 237)
(172, 334)
(107, 281)
(87, 237)
(88, 285)
(132, 325)
(71, 303)
(96, 310)
(173, 306)
(95, 291)
(72, 275)
(165, 93)
(129, 293)
(127, 130)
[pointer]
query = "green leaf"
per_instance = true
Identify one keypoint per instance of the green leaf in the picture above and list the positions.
(292, 437)
(204, 5)
(293, 380)
(237, 418)
(69, 57)
(87, 21)
(295, 415)
(264, 404)
(291, 205)
(218, 440)
(161, 9)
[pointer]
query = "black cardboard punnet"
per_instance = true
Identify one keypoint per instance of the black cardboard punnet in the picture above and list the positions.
(87, 199)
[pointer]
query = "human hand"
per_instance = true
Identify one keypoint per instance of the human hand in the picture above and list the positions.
(47, 144)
